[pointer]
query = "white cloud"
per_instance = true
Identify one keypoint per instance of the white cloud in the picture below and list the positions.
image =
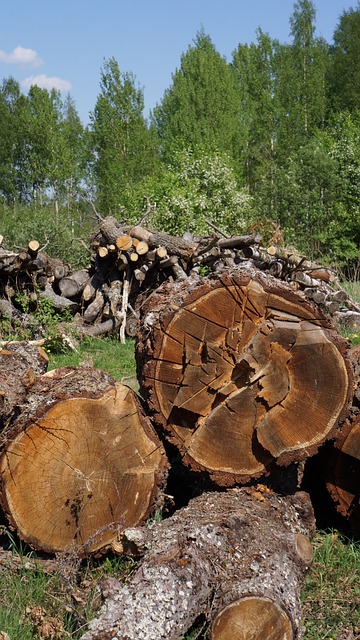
(47, 82)
(21, 55)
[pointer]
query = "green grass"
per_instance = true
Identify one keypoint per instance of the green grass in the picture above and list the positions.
(104, 353)
(352, 288)
(331, 594)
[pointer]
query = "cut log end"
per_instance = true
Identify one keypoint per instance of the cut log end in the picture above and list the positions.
(96, 468)
(242, 372)
(253, 618)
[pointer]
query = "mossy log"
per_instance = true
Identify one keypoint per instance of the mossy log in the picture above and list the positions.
(80, 462)
(239, 371)
(237, 557)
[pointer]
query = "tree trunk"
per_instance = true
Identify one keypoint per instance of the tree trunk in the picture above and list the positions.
(80, 463)
(237, 557)
(239, 371)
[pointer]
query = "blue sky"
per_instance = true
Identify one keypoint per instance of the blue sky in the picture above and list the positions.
(64, 44)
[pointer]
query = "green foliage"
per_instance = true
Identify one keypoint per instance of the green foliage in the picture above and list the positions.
(45, 322)
(202, 106)
(344, 71)
(123, 146)
(197, 187)
(56, 232)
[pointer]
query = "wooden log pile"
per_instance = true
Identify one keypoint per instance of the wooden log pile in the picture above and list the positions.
(127, 263)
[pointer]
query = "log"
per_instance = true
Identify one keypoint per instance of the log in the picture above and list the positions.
(80, 463)
(343, 473)
(60, 303)
(72, 286)
(237, 557)
(173, 244)
(93, 310)
(239, 371)
(33, 248)
(343, 459)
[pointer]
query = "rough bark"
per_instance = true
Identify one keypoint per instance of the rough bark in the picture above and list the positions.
(72, 286)
(239, 371)
(80, 462)
(343, 472)
(237, 557)
(20, 364)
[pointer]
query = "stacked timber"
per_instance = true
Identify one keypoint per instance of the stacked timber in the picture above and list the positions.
(127, 263)
(242, 379)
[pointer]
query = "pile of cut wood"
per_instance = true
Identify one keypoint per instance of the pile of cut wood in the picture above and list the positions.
(126, 264)
(243, 381)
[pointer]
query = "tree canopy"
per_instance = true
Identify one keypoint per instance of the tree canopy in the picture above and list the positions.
(268, 137)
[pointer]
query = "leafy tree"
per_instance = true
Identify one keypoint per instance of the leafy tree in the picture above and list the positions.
(42, 141)
(13, 107)
(195, 188)
(301, 69)
(202, 105)
(123, 146)
(344, 72)
(255, 69)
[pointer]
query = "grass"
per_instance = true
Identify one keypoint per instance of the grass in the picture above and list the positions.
(352, 288)
(104, 353)
(331, 594)
(43, 604)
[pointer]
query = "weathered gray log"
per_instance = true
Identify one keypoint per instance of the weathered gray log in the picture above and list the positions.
(93, 310)
(20, 364)
(72, 286)
(237, 557)
(60, 303)
(101, 329)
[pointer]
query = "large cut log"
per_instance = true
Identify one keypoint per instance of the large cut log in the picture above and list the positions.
(240, 371)
(343, 473)
(81, 462)
(237, 557)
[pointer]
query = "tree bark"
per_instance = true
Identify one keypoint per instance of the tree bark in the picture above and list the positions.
(239, 372)
(80, 462)
(237, 557)
(20, 364)
(343, 473)
(72, 286)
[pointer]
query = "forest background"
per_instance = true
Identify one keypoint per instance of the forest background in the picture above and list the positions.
(267, 142)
